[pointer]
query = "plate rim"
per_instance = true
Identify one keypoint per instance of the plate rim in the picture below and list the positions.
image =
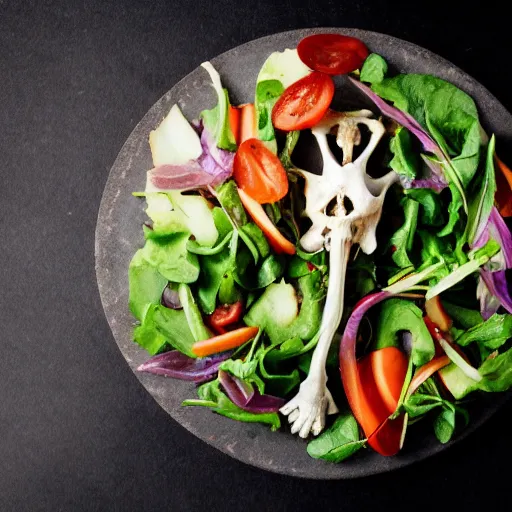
(434, 450)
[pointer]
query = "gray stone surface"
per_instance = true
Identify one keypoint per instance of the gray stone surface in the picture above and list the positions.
(119, 234)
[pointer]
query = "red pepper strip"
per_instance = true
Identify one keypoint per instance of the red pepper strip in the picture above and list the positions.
(503, 188)
(384, 435)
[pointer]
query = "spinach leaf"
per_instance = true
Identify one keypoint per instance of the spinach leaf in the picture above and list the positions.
(403, 238)
(194, 247)
(374, 69)
(146, 285)
(466, 318)
(253, 236)
(444, 424)
(496, 373)
(492, 333)
(279, 384)
(431, 206)
(222, 222)
(401, 315)
(406, 161)
(338, 442)
(162, 326)
(170, 257)
(482, 199)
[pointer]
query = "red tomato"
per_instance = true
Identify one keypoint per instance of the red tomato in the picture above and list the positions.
(303, 103)
(259, 173)
(226, 315)
(333, 54)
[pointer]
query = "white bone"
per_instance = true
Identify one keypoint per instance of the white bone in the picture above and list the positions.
(306, 411)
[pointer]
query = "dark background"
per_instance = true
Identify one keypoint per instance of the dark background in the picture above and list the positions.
(77, 430)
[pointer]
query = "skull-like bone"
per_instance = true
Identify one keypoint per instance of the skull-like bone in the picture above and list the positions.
(344, 205)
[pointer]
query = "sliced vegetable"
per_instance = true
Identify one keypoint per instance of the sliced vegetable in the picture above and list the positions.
(179, 366)
(426, 371)
(278, 242)
(333, 54)
(226, 314)
(224, 342)
(259, 173)
(504, 188)
(234, 115)
(247, 123)
(304, 103)
(438, 314)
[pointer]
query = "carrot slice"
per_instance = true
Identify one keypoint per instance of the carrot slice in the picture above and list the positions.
(426, 371)
(223, 342)
(234, 114)
(277, 241)
(247, 122)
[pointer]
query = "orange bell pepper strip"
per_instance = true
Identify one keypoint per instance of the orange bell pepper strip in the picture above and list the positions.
(276, 240)
(234, 115)
(223, 342)
(503, 188)
(247, 122)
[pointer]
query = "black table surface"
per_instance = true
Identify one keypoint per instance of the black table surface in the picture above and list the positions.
(77, 430)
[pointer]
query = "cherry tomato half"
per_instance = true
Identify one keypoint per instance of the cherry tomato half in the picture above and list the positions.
(333, 54)
(303, 103)
(226, 314)
(259, 173)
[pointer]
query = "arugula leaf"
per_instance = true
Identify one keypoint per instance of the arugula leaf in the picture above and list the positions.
(492, 333)
(146, 285)
(162, 326)
(374, 69)
(403, 238)
(431, 207)
(338, 442)
(170, 257)
(406, 161)
(482, 201)
(401, 315)
(210, 393)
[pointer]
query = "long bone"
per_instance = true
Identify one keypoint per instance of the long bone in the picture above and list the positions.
(336, 229)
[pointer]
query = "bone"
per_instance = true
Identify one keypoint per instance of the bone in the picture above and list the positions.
(336, 233)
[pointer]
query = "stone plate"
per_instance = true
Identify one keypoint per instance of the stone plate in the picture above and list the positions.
(119, 234)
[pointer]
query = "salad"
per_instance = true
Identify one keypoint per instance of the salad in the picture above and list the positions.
(340, 271)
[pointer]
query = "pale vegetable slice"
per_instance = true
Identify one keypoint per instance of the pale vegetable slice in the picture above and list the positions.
(174, 142)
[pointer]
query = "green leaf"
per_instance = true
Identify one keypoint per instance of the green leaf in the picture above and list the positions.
(496, 373)
(431, 206)
(146, 285)
(374, 69)
(170, 257)
(210, 392)
(419, 404)
(216, 120)
(194, 247)
(192, 313)
(276, 382)
(403, 238)
(162, 326)
(466, 318)
(444, 424)
(222, 222)
(482, 200)
(228, 197)
(256, 239)
(245, 370)
(338, 442)
(492, 333)
(286, 155)
(267, 93)
(401, 315)
(406, 161)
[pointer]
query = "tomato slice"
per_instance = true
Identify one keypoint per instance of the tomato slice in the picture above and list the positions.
(259, 173)
(333, 54)
(303, 103)
(226, 315)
